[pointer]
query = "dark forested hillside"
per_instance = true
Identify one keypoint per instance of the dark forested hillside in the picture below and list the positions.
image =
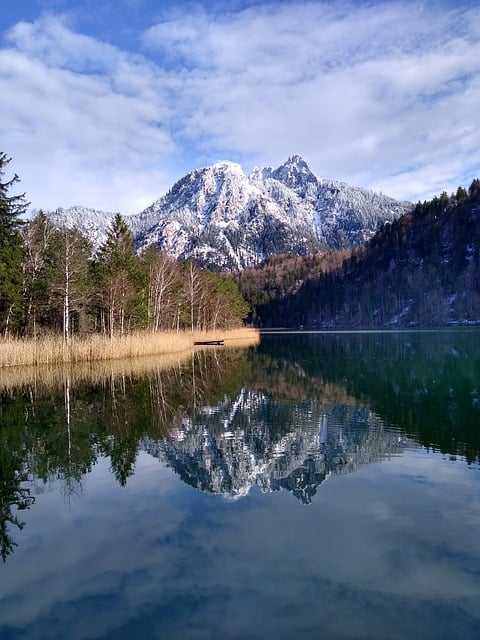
(423, 269)
(281, 276)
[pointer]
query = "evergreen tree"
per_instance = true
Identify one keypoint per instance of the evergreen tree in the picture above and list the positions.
(461, 195)
(423, 269)
(226, 305)
(474, 188)
(11, 209)
(118, 250)
(120, 281)
(38, 235)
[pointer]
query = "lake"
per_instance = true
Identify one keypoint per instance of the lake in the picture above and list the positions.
(320, 485)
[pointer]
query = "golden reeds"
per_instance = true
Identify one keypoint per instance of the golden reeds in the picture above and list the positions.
(95, 348)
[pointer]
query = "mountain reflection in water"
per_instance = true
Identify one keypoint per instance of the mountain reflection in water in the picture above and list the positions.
(253, 440)
(286, 415)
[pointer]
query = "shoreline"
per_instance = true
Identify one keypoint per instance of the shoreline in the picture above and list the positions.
(95, 348)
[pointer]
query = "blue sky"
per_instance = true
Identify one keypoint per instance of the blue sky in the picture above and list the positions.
(106, 103)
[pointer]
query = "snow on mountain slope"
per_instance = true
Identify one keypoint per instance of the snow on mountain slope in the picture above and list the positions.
(342, 215)
(225, 219)
(92, 223)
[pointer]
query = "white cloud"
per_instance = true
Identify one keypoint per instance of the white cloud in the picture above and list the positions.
(361, 92)
(383, 96)
(86, 124)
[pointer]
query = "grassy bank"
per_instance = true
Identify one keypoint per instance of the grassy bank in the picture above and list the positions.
(53, 351)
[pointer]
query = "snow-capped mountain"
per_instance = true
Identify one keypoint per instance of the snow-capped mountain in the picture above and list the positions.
(225, 219)
(93, 223)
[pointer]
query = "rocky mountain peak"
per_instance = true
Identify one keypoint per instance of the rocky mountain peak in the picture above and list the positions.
(225, 166)
(292, 170)
(295, 174)
(227, 220)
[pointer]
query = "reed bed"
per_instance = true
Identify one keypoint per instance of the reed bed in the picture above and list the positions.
(48, 376)
(95, 349)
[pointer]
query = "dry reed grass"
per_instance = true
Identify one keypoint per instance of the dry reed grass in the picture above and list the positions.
(47, 376)
(97, 348)
(49, 361)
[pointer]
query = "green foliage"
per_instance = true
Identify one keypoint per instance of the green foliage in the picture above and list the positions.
(118, 251)
(11, 252)
(120, 281)
(227, 299)
(38, 263)
(276, 281)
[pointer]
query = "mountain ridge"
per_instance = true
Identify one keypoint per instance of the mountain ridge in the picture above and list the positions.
(423, 269)
(227, 220)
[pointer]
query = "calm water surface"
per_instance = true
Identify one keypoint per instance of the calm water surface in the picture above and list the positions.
(318, 486)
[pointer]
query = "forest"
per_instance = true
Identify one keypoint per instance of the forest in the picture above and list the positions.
(423, 269)
(51, 282)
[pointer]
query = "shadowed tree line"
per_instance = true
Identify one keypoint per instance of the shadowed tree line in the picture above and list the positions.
(426, 383)
(423, 269)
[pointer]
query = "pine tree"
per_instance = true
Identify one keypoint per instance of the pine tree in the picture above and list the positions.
(118, 250)
(38, 235)
(11, 209)
(461, 195)
(474, 189)
(120, 280)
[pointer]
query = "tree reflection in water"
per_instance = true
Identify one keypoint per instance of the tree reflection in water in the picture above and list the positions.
(283, 416)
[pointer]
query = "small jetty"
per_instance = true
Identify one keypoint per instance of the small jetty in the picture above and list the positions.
(205, 342)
